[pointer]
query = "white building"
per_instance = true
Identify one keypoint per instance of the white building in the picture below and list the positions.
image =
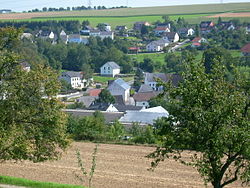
(110, 69)
(157, 46)
(171, 36)
(107, 27)
(120, 88)
(102, 34)
(74, 79)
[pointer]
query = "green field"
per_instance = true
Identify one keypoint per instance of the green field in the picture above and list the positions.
(33, 184)
(194, 14)
(160, 10)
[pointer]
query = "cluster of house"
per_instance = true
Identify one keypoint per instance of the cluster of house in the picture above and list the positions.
(134, 108)
(81, 37)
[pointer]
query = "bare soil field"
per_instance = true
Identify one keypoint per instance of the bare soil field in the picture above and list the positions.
(118, 166)
(231, 15)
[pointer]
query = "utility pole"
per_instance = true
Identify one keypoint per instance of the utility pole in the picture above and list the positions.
(89, 3)
(127, 3)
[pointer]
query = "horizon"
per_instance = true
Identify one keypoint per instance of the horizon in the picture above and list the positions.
(26, 5)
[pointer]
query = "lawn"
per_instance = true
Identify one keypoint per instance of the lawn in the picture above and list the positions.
(33, 184)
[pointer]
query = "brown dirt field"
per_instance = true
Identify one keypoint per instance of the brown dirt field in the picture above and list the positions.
(231, 15)
(118, 166)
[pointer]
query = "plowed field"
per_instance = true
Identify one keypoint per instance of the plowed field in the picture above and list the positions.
(118, 166)
(231, 15)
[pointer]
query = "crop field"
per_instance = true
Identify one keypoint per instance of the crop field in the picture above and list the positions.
(127, 16)
(117, 166)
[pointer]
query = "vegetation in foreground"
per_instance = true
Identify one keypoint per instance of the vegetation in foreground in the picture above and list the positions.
(33, 184)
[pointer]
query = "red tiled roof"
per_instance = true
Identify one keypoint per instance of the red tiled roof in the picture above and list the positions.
(246, 48)
(94, 92)
(196, 39)
(161, 28)
(196, 44)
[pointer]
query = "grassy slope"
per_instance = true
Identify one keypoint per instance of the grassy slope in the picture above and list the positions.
(33, 184)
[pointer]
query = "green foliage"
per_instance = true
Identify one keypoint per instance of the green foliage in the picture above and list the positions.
(76, 105)
(105, 97)
(116, 131)
(87, 71)
(142, 134)
(32, 125)
(209, 115)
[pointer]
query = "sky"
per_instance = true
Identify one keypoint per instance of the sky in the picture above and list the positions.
(24, 5)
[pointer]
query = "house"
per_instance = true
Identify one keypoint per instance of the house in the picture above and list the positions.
(121, 28)
(151, 79)
(119, 87)
(5, 11)
(46, 34)
(94, 92)
(63, 37)
(86, 30)
(143, 98)
(247, 29)
(25, 66)
(27, 36)
(197, 41)
(143, 117)
(245, 50)
(107, 27)
(75, 79)
(101, 34)
(159, 30)
(224, 25)
(157, 46)
(87, 100)
(172, 36)
(134, 50)
(110, 69)
(185, 32)
(138, 25)
(76, 38)
(206, 26)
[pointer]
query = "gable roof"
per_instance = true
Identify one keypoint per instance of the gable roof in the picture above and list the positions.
(112, 64)
(246, 48)
(72, 74)
(121, 83)
(94, 92)
(145, 88)
(140, 97)
(161, 28)
(174, 78)
(196, 39)
(157, 109)
(170, 35)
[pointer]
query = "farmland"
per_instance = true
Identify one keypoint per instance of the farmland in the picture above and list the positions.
(117, 166)
(127, 16)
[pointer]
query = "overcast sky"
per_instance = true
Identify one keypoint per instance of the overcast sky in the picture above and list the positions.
(24, 5)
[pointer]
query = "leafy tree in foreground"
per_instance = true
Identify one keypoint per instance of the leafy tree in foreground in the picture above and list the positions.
(32, 125)
(210, 116)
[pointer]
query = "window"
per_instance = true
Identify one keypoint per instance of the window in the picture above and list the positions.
(104, 68)
(108, 68)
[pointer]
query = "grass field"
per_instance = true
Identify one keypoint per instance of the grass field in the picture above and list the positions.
(33, 184)
(117, 166)
(127, 16)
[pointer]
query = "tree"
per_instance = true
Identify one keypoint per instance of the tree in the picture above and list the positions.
(144, 29)
(32, 125)
(87, 71)
(106, 97)
(210, 116)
